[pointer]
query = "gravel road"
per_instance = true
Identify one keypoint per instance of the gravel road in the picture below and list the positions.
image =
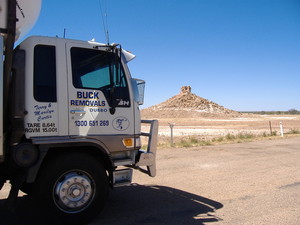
(246, 183)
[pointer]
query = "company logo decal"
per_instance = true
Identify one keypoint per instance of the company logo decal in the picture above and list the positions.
(120, 123)
(87, 98)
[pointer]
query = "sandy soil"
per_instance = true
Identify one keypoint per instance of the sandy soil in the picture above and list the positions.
(212, 127)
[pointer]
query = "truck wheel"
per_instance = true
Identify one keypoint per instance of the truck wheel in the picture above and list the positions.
(71, 189)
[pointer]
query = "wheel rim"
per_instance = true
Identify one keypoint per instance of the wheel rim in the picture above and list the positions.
(74, 191)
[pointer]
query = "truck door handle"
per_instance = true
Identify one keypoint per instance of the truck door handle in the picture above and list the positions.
(77, 112)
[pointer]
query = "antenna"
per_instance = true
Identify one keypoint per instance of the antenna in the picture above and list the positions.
(104, 21)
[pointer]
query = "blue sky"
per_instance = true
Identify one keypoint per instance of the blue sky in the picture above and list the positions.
(241, 54)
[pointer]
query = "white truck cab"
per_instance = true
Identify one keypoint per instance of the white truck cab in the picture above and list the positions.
(77, 89)
(70, 123)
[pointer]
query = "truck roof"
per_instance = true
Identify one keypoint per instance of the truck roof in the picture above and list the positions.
(36, 39)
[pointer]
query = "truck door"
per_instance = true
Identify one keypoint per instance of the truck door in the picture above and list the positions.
(98, 93)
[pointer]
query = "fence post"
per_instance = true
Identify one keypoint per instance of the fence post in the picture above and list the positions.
(281, 129)
(271, 133)
(171, 125)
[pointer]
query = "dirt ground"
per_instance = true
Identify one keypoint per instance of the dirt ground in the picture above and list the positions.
(247, 183)
(208, 128)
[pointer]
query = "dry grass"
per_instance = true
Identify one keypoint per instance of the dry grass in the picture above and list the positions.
(197, 141)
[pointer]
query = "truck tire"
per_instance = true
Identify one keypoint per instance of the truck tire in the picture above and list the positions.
(71, 189)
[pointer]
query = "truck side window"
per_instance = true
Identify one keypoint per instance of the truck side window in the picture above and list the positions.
(44, 73)
(95, 69)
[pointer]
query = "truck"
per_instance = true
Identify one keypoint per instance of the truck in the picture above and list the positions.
(70, 123)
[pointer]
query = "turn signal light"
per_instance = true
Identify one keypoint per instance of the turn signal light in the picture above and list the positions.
(128, 142)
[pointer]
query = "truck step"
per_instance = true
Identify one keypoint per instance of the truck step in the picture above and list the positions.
(123, 162)
(122, 177)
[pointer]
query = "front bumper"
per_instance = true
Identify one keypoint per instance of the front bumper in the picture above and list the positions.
(148, 158)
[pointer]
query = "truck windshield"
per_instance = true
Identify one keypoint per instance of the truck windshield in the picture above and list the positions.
(95, 69)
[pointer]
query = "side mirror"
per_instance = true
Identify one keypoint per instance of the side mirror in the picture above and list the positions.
(138, 90)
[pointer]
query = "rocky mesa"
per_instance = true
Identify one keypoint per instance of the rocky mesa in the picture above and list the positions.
(187, 105)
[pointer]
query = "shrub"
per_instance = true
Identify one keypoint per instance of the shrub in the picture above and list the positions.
(230, 137)
(294, 131)
(194, 140)
(185, 143)
(245, 136)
